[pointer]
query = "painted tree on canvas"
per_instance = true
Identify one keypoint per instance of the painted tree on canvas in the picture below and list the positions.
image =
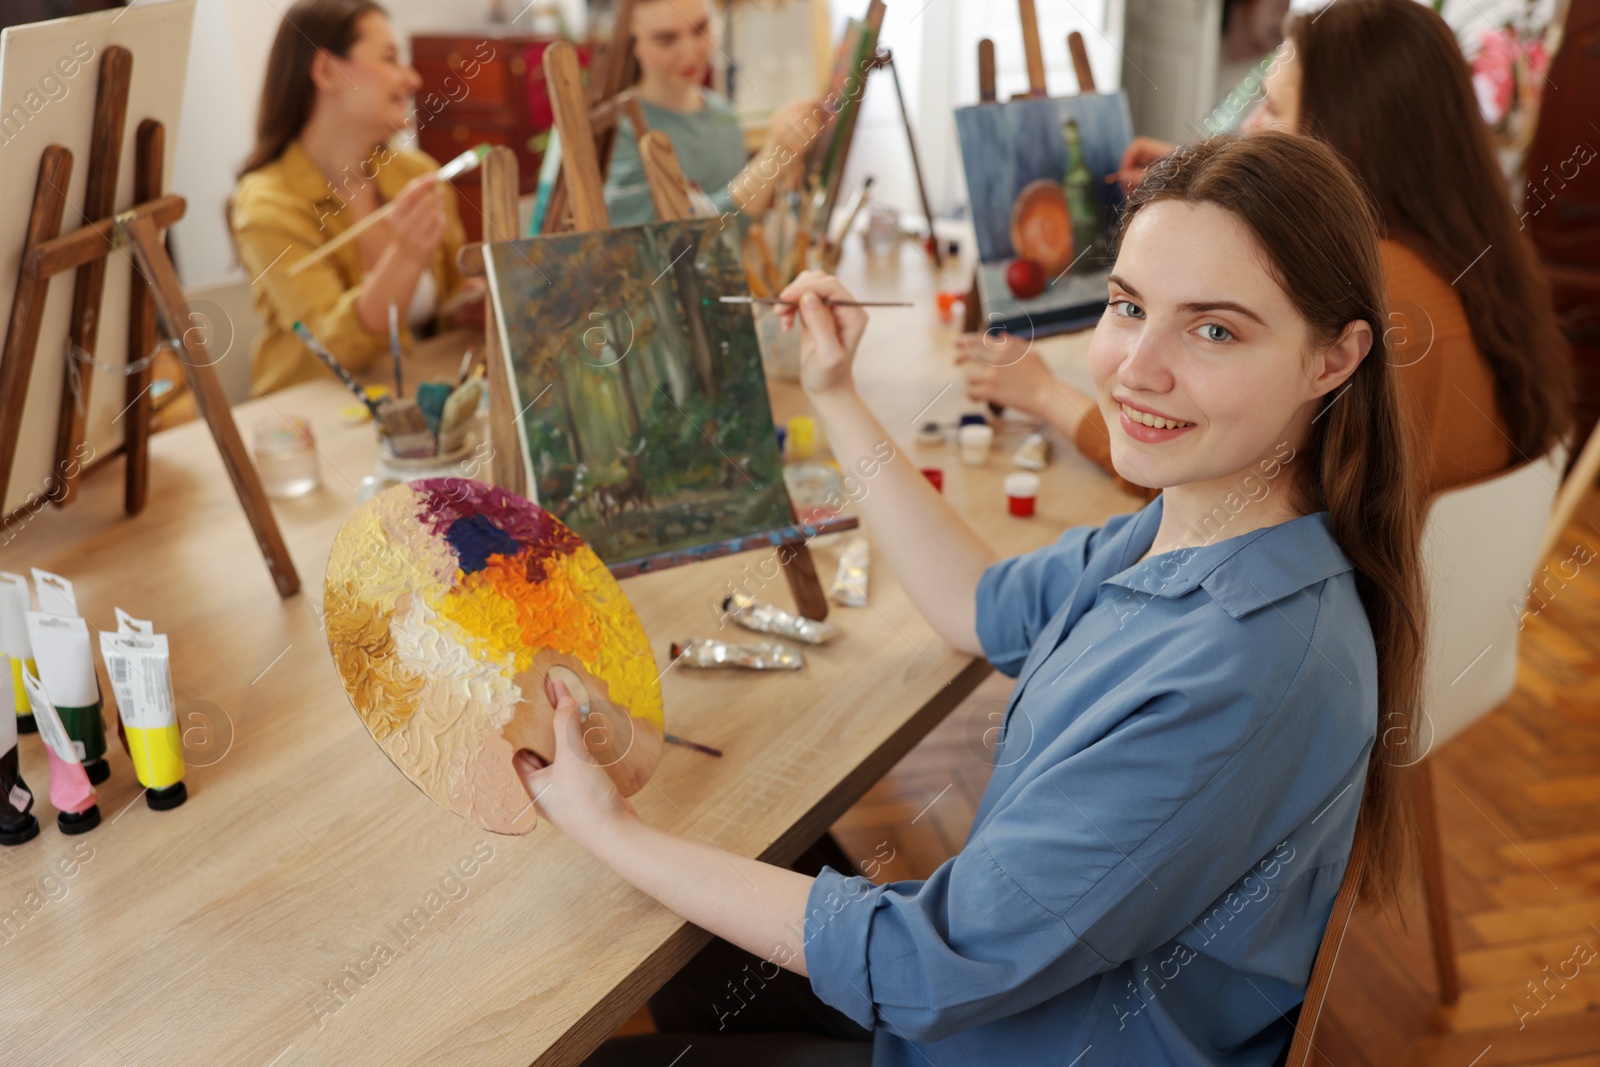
(646, 415)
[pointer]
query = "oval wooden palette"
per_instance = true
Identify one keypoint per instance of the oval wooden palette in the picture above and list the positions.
(1041, 226)
(448, 601)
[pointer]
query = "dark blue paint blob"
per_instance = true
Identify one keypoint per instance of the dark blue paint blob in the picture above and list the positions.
(475, 539)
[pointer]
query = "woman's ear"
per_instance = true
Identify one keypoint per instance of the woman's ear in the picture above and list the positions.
(324, 75)
(1339, 360)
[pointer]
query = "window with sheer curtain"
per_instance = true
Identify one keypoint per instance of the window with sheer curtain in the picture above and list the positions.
(936, 50)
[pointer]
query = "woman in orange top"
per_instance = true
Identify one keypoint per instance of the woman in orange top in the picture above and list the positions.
(1483, 371)
(336, 92)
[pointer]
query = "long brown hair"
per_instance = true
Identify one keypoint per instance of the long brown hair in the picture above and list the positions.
(1318, 233)
(1384, 83)
(309, 27)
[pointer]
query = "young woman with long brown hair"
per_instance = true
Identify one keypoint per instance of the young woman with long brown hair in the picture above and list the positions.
(1193, 738)
(1484, 377)
(336, 93)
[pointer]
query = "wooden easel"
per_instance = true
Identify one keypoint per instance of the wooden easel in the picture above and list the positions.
(581, 168)
(156, 295)
(609, 97)
(972, 316)
(885, 58)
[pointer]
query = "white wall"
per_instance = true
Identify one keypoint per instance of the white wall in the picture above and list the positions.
(226, 66)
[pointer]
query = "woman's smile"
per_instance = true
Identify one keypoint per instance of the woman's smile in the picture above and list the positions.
(1151, 427)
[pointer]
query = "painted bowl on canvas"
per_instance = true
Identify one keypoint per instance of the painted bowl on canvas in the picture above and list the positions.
(1041, 226)
(448, 601)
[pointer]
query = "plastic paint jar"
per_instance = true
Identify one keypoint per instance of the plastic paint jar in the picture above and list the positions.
(975, 441)
(802, 437)
(1021, 490)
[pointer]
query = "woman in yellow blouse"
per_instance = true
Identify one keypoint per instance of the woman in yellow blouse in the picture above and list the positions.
(336, 91)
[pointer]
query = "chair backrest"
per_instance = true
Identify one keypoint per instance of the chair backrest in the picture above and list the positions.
(1305, 1029)
(1480, 549)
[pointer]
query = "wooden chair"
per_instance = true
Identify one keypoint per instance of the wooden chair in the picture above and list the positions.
(1344, 904)
(1478, 561)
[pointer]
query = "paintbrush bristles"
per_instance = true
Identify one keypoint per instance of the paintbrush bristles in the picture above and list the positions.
(402, 422)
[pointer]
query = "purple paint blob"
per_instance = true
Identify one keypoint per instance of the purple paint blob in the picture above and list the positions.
(492, 521)
(475, 539)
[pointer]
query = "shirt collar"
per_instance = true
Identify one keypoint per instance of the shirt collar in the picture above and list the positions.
(304, 180)
(1242, 574)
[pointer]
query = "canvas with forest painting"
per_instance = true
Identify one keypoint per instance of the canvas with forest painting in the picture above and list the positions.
(645, 423)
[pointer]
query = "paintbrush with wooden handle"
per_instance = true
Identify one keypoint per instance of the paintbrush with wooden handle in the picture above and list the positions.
(466, 161)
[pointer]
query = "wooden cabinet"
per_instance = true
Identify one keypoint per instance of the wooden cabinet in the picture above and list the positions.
(482, 88)
(1561, 201)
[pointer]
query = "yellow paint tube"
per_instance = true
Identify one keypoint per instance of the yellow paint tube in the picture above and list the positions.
(14, 604)
(137, 665)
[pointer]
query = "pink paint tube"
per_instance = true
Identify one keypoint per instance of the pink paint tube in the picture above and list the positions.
(70, 791)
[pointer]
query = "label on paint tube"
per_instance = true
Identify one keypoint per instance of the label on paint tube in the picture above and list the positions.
(14, 604)
(127, 624)
(61, 652)
(56, 596)
(20, 798)
(51, 729)
(137, 665)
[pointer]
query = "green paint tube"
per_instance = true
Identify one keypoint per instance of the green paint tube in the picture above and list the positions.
(66, 668)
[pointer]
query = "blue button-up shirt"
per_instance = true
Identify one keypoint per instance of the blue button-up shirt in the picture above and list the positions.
(1170, 814)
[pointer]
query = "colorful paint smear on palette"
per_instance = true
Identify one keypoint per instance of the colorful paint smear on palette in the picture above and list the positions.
(447, 603)
(645, 422)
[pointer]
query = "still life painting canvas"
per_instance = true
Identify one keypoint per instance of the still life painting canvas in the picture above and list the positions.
(1042, 206)
(644, 418)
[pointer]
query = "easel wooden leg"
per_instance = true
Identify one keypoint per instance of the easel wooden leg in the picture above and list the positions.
(99, 201)
(149, 152)
(916, 163)
(145, 242)
(500, 224)
(1433, 886)
(806, 587)
(27, 306)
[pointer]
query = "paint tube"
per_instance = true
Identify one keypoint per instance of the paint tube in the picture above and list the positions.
(66, 667)
(849, 588)
(70, 791)
(17, 824)
(127, 624)
(758, 655)
(14, 604)
(136, 663)
(56, 595)
(752, 614)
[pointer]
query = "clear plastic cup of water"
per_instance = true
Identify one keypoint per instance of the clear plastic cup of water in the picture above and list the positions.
(286, 457)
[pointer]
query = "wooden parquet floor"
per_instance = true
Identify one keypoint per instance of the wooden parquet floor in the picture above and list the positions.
(1519, 810)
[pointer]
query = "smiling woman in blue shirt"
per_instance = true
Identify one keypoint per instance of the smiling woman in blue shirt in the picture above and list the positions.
(1211, 692)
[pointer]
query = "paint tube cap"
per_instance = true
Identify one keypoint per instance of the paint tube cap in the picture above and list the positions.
(26, 830)
(98, 770)
(80, 822)
(166, 799)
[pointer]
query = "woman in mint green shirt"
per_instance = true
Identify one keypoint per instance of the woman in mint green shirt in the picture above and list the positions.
(671, 40)
(1213, 693)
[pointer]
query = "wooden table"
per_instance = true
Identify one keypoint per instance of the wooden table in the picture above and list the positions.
(244, 926)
